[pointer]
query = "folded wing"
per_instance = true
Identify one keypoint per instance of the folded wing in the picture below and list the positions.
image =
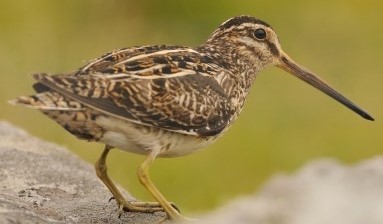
(167, 87)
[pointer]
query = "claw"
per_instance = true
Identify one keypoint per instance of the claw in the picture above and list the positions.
(120, 210)
(175, 207)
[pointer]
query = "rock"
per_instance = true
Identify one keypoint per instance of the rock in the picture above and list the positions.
(323, 191)
(43, 183)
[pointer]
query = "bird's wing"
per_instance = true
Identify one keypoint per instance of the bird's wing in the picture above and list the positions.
(167, 87)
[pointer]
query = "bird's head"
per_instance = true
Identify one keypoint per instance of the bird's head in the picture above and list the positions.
(246, 39)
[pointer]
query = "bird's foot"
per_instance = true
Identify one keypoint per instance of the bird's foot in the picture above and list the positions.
(151, 207)
(142, 206)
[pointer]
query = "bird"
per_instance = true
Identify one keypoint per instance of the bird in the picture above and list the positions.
(166, 100)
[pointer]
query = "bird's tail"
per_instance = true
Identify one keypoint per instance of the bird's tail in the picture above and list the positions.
(47, 100)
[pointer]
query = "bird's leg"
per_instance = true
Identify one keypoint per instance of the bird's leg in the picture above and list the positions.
(143, 175)
(136, 206)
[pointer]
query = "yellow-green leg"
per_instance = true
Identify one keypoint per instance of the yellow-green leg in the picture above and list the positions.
(143, 175)
(135, 206)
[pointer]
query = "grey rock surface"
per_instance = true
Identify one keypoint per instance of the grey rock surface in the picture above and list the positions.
(322, 192)
(43, 183)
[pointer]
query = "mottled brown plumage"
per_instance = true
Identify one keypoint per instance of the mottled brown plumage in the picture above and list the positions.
(165, 100)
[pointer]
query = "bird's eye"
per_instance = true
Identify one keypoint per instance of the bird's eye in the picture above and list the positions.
(260, 34)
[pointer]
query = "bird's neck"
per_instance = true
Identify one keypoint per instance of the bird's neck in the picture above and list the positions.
(239, 70)
(238, 64)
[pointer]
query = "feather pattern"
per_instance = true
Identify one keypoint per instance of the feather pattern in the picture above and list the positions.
(169, 87)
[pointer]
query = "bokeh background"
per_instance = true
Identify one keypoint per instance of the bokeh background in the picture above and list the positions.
(285, 123)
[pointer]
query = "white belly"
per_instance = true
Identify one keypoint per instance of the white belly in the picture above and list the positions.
(145, 140)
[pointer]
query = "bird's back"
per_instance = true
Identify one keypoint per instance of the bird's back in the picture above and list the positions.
(172, 88)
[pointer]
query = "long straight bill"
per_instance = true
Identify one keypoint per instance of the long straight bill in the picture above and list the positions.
(290, 66)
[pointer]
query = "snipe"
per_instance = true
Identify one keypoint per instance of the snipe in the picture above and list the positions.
(165, 101)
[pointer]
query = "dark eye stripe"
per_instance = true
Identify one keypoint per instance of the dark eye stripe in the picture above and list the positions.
(273, 49)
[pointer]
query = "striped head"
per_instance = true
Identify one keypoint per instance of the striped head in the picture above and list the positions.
(249, 39)
(246, 45)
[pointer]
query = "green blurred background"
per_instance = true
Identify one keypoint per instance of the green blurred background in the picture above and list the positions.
(285, 124)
